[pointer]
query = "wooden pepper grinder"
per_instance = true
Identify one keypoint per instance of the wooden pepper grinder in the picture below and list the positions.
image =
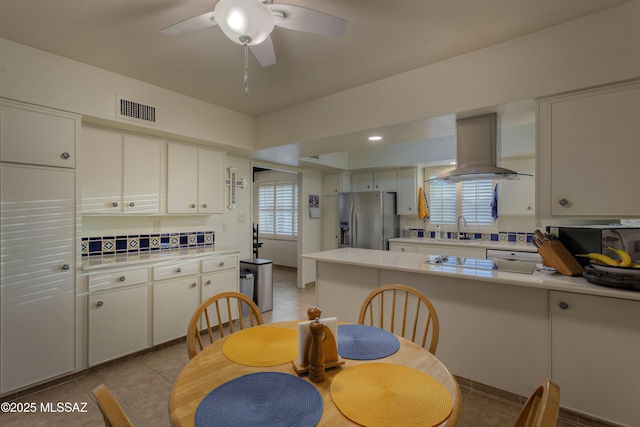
(316, 356)
(313, 313)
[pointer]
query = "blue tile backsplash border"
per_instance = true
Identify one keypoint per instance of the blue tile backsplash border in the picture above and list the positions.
(502, 236)
(110, 245)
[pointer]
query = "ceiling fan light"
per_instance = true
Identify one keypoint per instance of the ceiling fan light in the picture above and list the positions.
(240, 19)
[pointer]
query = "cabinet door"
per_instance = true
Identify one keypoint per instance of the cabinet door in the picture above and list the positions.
(182, 175)
(118, 323)
(403, 247)
(37, 238)
(453, 251)
(216, 283)
(407, 192)
(385, 181)
(37, 136)
(517, 197)
(331, 184)
(101, 171)
(211, 181)
(174, 302)
(362, 182)
(141, 172)
(595, 343)
(588, 150)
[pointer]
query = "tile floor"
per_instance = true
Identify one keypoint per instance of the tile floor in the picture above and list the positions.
(142, 384)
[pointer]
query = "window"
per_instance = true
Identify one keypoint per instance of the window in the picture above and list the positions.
(278, 209)
(471, 199)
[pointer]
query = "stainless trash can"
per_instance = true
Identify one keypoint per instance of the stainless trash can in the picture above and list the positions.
(246, 287)
(262, 270)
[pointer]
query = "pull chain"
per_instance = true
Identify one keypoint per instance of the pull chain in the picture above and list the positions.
(246, 69)
(245, 42)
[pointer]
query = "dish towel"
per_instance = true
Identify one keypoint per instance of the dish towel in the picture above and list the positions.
(423, 204)
(494, 203)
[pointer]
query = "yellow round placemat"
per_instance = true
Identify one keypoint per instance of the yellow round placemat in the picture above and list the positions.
(262, 346)
(383, 394)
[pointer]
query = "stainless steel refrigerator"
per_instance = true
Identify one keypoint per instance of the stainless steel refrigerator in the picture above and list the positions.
(367, 220)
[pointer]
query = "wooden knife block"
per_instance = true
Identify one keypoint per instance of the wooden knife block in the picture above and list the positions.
(555, 255)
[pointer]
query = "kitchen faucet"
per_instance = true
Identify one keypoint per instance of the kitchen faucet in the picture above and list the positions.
(464, 224)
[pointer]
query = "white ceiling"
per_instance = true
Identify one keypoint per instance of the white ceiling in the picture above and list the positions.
(383, 38)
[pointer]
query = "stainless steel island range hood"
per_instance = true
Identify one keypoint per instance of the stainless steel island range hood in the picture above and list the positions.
(476, 152)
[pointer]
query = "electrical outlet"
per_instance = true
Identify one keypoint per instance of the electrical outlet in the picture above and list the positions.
(156, 225)
(225, 228)
(241, 218)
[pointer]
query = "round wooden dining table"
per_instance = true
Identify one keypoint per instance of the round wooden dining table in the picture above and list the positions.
(211, 368)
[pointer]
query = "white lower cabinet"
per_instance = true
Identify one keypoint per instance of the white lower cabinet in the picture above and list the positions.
(595, 343)
(174, 302)
(118, 323)
(456, 251)
(403, 247)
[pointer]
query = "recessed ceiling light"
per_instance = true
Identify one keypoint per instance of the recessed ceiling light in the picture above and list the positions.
(375, 138)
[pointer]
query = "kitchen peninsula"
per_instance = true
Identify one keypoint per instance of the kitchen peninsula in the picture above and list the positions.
(508, 330)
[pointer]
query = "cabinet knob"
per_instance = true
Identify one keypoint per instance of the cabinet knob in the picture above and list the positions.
(563, 305)
(132, 204)
(178, 270)
(114, 204)
(99, 304)
(208, 282)
(64, 267)
(65, 155)
(122, 278)
(221, 264)
(410, 208)
(204, 205)
(529, 208)
(193, 205)
(402, 249)
(563, 202)
(335, 190)
(194, 284)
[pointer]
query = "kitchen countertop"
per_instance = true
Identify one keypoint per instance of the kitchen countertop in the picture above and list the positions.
(486, 244)
(104, 261)
(415, 263)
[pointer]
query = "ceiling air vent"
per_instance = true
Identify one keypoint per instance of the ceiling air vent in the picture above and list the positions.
(131, 110)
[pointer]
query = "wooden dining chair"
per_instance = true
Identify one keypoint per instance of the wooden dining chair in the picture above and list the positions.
(217, 311)
(393, 306)
(111, 410)
(541, 409)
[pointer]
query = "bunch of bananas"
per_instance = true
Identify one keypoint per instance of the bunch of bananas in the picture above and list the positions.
(624, 261)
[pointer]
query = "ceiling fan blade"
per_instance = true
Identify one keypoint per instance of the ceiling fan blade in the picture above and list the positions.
(195, 23)
(264, 52)
(308, 20)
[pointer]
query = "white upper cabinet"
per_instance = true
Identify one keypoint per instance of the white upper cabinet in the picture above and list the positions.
(37, 136)
(408, 191)
(120, 173)
(196, 180)
(588, 151)
(518, 197)
(376, 181)
(335, 183)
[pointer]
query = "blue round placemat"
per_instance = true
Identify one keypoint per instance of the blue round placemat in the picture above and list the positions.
(261, 399)
(364, 342)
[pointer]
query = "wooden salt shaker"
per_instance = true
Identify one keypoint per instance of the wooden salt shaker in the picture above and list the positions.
(316, 353)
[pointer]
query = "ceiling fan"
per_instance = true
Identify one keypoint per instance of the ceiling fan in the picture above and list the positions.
(250, 23)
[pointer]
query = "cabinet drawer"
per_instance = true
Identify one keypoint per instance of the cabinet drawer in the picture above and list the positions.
(117, 278)
(403, 247)
(219, 263)
(175, 269)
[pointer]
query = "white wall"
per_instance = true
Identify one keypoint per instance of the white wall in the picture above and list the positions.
(37, 77)
(310, 183)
